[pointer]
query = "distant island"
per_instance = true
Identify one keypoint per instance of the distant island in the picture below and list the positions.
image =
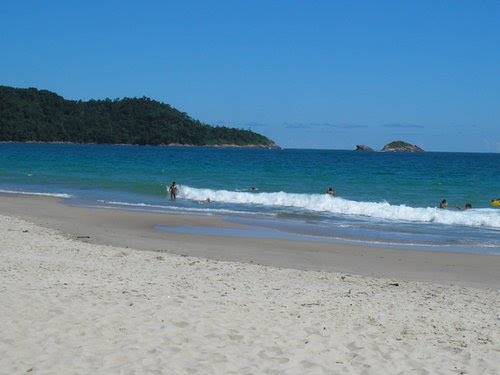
(395, 146)
(32, 115)
(363, 148)
(400, 146)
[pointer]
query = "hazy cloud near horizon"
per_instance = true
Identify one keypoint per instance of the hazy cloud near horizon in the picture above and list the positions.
(322, 125)
(403, 126)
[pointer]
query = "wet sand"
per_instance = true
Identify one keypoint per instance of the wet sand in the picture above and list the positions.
(137, 230)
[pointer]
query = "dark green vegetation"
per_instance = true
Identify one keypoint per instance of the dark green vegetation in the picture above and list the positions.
(31, 115)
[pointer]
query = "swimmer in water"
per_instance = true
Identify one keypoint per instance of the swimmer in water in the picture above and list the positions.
(204, 201)
(331, 191)
(467, 206)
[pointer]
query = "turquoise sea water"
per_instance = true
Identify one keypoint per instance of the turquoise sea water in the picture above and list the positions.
(384, 198)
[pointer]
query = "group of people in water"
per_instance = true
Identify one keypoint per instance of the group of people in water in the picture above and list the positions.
(444, 204)
(173, 189)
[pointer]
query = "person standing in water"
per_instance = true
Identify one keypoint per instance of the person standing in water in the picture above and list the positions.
(173, 191)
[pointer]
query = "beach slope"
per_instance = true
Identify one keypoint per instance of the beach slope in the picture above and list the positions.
(68, 306)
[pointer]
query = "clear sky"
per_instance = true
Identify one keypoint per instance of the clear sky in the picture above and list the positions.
(307, 74)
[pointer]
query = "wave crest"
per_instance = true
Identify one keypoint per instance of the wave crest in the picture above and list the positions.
(324, 203)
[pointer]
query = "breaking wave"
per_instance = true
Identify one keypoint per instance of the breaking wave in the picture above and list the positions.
(323, 203)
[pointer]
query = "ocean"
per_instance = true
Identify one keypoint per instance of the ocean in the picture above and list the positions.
(387, 199)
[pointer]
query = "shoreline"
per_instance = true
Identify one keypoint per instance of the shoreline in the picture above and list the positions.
(228, 145)
(72, 305)
(136, 230)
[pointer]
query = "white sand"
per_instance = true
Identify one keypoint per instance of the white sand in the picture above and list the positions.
(69, 307)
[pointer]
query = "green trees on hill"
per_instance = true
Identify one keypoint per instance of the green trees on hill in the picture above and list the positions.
(43, 116)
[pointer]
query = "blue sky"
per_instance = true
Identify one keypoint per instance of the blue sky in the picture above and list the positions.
(307, 74)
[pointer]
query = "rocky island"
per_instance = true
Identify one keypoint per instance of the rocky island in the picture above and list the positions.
(363, 148)
(400, 146)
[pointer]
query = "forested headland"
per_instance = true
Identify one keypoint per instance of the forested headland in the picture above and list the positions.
(32, 115)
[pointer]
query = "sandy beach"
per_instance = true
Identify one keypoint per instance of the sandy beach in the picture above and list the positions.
(92, 291)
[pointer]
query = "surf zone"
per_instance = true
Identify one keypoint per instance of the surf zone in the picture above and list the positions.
(328, 205)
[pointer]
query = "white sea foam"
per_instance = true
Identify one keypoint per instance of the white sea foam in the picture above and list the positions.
(56, 195)
(484, 217)
(205, 210)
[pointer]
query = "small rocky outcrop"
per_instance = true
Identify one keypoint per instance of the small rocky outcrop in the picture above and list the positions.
(363, 148)
(400, 146)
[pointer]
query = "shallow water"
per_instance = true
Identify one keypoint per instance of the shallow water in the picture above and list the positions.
(382, 198)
